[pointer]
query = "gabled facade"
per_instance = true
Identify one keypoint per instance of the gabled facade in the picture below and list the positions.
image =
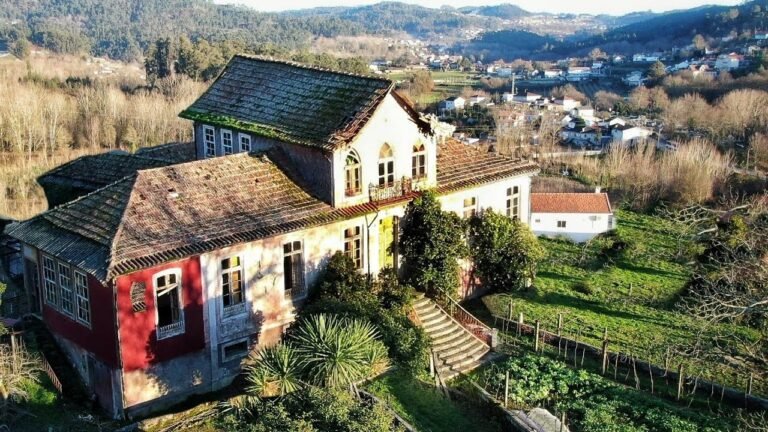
(576, 216)
(161, 282)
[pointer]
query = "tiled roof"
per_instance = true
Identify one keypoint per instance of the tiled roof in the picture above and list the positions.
(570, 203)
(318, 107)
(162, 214)
(460, 166)
(96, 171)
(176, 152)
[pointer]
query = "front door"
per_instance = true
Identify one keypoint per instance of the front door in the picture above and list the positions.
(388, 242)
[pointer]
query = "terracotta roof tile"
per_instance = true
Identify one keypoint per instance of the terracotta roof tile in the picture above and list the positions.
(96, 171)
(460, 166)
(175, 152)
(570, 203)
(318, 107)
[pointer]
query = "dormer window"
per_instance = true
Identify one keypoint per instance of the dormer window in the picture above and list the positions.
(209, 139)
(352, 174)
(386, 166)
(226, 142)
(419, 162)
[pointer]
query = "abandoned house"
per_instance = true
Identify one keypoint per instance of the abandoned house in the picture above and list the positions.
(159, 272)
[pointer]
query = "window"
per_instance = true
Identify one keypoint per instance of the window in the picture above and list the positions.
(245, 143)
(226, 141)
(232, 286)
(49, 277)
(537, 221)
(65, 284)
(169, 314)
(209, 139)
(234, 350)
(419, 166)
(293, 270)
(386, 166)
(353, 245)
(470, 207)
(561, 224)
(352, 174)
(513, 202)
(83, 298)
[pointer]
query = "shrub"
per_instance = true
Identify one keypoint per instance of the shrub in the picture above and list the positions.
(584, 287)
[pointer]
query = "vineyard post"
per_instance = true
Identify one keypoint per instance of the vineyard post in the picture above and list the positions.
(562, 421)
(650, 372)
(506, 390)
(749, 385)
(630, 289)
(559, 325)
(604, 365)
(680, 380)
(520, 324)
(536, 336)
(511, 309)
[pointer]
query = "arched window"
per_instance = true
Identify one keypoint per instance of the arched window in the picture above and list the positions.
(419, 161)
(386, 166)
(352, 174)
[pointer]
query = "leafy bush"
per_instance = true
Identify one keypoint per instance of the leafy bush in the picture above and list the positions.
(312, 410)
(584, 287)
(385, 303)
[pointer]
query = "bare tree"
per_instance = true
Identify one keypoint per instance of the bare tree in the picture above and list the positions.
(17, 369)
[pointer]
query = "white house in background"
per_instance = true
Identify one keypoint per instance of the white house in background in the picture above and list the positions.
(453, 103)
(628, 133)
(611, 122)
(578, 73)
(728, 62)
(567, 104)
(577, 216)
(527, 97)
(586, 113)
(633, 79)
(503, 72)
(552, 73)
(761, 35)
(478, 99)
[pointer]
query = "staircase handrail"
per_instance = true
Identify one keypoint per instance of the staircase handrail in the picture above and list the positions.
(464, 318)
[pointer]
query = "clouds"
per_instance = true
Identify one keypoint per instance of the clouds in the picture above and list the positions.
(611, 7)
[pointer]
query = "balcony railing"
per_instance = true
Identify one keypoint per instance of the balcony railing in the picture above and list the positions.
(170, 330)
(392, 190)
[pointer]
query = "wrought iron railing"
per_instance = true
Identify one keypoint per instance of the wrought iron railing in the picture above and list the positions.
(169, 330)
(469, 321)
(392, 190)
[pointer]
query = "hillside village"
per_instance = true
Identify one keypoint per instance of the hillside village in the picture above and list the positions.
(234, 236)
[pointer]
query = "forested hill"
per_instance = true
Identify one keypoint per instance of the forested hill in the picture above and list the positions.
(678, 28)
(503, 11)
(123, 29)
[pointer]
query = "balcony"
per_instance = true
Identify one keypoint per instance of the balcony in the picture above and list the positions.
(396, 189)
(170, 330)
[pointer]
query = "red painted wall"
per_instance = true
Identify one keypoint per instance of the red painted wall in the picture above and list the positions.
(101, 338)
(138, 343)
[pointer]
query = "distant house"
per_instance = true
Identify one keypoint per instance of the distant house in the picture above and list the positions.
(504, 72)
(527, 97)
(580, 135)
(728, 62)
(633, 79)
(552, 73)
(646, 58)
(577, 216)
(567, 104)
(629, 134)
(585, 113)
(578, 73)
(613, 121)
(479, 100)
(761, 35)
(452, 104)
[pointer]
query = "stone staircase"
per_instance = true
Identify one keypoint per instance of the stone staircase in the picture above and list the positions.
(457, 349)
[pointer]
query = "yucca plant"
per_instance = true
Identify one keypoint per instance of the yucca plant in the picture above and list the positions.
(336, 352)
(275, 372)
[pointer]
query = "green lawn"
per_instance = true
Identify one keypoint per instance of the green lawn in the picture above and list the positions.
(427, 409)
(593, 296)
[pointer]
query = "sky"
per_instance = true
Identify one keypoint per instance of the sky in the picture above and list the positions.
(612, 7)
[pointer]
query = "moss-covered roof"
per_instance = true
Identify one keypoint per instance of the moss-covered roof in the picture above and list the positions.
(290, 102)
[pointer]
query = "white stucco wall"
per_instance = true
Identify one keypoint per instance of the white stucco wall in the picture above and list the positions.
(491, 196)
(579, 227)
(392, 125)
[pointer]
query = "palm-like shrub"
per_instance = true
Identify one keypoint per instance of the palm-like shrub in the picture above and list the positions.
(336, 352)
(276, 372)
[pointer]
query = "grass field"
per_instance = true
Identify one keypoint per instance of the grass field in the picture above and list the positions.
(427, 409)
(593, 295)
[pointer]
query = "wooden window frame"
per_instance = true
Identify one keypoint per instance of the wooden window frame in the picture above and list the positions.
(419, 162)
(353, 245)
(513, 202)
(386, 166)
(240, 307)
(176, 328)
(51, 293)
(82, 299)
(243, 147)
(562, 224)
(209, 146)
(66, 293)
(470, 207)
(353, 175)
(295, 291)
(227, 144)
(240, 355)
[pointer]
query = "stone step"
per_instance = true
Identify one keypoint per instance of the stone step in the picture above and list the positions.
(466, 351)
(426, 315)
(456, 345)
(437, 324)
(452, 373)
(438, 335)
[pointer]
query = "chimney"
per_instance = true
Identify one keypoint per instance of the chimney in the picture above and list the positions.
(598, 189)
